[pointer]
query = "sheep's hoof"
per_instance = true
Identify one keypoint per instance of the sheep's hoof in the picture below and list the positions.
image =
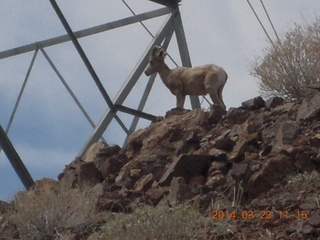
(216, 114)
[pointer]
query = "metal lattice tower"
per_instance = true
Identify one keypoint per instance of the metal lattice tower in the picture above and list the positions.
(173, 24)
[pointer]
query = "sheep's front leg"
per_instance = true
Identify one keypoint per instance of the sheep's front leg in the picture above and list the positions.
(180, 99)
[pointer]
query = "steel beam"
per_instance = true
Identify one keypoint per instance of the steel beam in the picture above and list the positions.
(141, 105)
(15, 160)
(168, 3)
(135, 112)
(87, 63)
(140, 67)
(21, 91)
(82, 55)
(85, 32)
(63, 81)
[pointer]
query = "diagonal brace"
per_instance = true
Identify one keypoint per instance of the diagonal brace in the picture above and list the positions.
(83, 55)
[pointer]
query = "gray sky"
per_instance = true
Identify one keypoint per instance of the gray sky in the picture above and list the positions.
(49, 129)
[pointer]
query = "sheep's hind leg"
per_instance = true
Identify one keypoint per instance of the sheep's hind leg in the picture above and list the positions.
(215, 98)
(214, 89)
(221, 98)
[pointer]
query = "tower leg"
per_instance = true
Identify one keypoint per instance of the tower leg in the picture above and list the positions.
(184, 52)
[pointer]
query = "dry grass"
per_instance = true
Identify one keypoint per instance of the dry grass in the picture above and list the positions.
(163, 223)
(49, 214)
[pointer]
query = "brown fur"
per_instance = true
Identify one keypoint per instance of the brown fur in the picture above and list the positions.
(181, 81)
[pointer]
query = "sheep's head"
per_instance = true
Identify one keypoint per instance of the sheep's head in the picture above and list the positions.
(156, 60)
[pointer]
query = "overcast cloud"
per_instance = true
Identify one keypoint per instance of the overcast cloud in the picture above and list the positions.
(49, 130)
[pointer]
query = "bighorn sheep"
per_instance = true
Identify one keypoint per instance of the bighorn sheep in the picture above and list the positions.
(184, 81)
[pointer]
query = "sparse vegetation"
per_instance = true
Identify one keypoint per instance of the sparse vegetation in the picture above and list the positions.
(48, 214)
(163, 223)
(290, 64)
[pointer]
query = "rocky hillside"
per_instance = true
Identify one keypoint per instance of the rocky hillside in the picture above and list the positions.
(254, 168)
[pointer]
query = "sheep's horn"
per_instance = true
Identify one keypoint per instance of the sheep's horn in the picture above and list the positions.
(155, 50)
